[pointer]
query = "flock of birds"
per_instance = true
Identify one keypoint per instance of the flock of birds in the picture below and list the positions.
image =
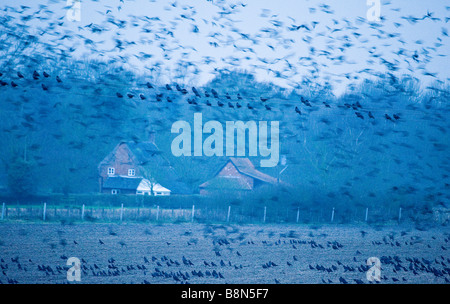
(164, 36)
(169, 95)
(402, 147)
(238, 256)
(328, 40)
(39, 75)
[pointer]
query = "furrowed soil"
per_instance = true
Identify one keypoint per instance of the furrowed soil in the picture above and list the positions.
(201, 253)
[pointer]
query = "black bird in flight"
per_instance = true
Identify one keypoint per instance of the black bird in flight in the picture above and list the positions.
(196, 92)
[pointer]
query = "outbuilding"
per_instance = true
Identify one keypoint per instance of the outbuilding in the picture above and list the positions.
(133, 185)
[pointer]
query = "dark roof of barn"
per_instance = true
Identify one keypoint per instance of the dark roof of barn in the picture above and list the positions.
(121, 182)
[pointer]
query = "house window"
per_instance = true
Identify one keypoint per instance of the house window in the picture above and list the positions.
(114, 191)
(131, 172)
(111, 171)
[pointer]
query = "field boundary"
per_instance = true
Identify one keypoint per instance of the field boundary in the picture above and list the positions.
(204, 214)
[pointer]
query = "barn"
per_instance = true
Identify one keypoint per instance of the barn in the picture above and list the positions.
(236, 176)
(137, 168)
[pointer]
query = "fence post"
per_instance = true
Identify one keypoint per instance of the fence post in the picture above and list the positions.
(157, 213)
(193, 211)
(82, 213)
(228, 215)
(332, 215)
(399, 214)
(367, 213)
(265, 212)
(298, 214)
(121, 212)
(45, 210)
(3, 211)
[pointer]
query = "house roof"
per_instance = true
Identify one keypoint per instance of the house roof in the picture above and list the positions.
(246, 167)
(122, 182)
(159, 188)
(143, 152)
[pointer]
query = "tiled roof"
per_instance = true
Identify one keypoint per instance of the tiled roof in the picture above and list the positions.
(245, 166)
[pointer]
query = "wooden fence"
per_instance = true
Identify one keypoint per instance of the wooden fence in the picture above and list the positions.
(225, 214)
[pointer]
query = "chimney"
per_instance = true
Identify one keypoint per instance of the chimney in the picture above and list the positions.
(151, 137)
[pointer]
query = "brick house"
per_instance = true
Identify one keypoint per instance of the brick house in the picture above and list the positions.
(132, 165)
(236, 176)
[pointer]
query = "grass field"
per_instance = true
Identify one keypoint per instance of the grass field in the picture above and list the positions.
(199, 253)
